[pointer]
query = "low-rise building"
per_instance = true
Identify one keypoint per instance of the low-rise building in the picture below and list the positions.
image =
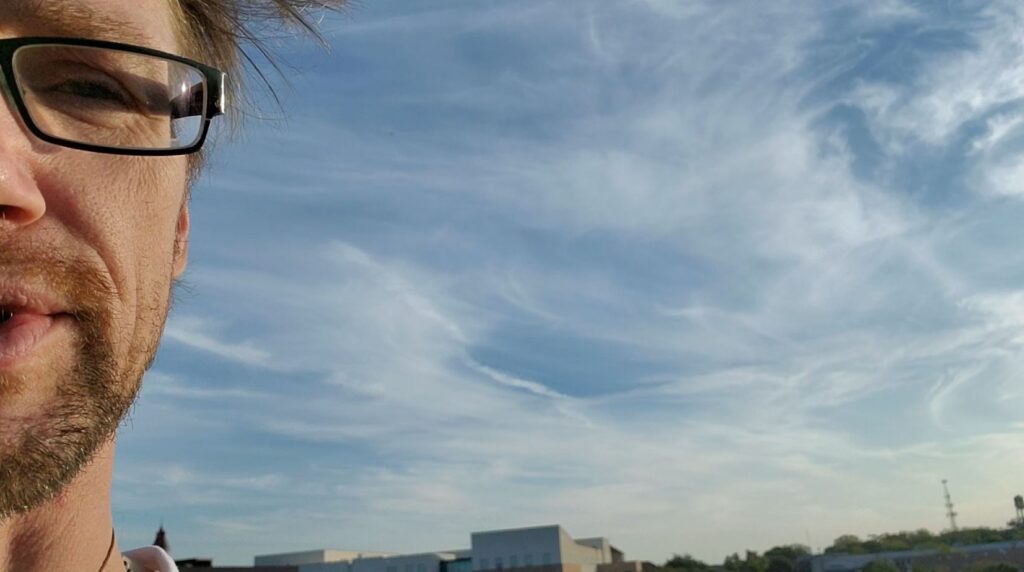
(545, 547)
(534, 549)
(314, 557)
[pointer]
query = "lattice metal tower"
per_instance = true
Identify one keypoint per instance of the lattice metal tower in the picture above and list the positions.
(1018, 502)
(949, 507)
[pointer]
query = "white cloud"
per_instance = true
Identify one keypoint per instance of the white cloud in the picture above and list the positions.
(778, 327)
(949, 92)
(193, 332)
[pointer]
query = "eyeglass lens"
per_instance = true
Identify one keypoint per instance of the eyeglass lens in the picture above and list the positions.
(111, 98)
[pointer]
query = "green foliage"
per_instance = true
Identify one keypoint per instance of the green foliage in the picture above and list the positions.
(922, 539)
(733, 563)
(781, 564)
(788, 558)
(755, 563)
(795, 557)
(686, 563)
(847, 543)
(791, 552)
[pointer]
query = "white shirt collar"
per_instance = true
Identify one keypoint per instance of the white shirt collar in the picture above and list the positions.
(148, 559)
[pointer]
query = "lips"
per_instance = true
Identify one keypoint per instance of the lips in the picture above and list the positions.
(25, 321)
(21, 334)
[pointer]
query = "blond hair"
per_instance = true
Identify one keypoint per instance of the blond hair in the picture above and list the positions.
(219, 33)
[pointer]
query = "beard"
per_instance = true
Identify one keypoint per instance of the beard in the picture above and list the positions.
(41, 453)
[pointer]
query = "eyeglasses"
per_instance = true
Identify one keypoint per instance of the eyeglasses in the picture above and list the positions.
(112, 98)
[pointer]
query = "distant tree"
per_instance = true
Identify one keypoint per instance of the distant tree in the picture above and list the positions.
(968, 536)
(791, 552)
(847, 543)
(780, 564)
(890, 542)
(794, 557)
(754, 562)
(733, 563)
(920, 536)
(880, 566)
(922, 540)
(872, 546)
(686, 563)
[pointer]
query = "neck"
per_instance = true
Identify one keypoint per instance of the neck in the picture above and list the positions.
(70, 532)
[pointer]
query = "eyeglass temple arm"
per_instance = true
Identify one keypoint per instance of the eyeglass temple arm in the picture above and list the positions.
(195, 99)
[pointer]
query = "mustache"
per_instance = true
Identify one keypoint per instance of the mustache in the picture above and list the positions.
(82, 288)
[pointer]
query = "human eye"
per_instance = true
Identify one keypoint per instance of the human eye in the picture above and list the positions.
(94, 90)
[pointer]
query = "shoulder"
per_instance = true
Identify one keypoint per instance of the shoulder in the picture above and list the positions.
(148, 559)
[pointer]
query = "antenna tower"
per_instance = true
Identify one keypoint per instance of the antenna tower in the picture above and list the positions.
(1018, 503)
(949, 507)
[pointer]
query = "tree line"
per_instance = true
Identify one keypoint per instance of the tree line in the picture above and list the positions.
(793, 557)
(788, 558)
(922, 540)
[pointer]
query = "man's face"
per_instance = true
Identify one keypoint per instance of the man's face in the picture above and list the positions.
(89, 247)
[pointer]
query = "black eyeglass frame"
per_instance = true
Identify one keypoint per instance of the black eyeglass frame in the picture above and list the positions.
(215, 86)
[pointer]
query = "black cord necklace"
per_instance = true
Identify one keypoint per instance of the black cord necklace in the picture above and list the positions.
(110, 550)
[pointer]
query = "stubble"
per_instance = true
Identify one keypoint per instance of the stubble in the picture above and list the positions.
(41, 452)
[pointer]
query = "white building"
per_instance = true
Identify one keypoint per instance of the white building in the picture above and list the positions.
(540, 546)
(314, 557)
(536, 549)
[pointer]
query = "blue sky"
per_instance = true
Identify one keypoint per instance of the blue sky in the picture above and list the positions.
(696, 276)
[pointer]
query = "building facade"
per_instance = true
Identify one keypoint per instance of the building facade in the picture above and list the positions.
(535, 549)
(545, 547)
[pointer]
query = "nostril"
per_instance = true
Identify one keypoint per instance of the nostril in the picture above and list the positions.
(14, 214)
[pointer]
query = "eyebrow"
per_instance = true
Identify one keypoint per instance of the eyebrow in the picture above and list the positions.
(78, 20)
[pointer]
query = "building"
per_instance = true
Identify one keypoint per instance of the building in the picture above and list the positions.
(549, 548)
(317, 557)
(536, 549)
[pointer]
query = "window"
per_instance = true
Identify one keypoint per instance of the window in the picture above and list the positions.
(513, 561)
(497, 564)
(528, 560)
(484, 564)
(408, 568)
(392, 568)
(421, 567)
(545, 559)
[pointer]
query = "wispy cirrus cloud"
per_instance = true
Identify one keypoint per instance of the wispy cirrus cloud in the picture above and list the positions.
(635, 262)
(193, 332)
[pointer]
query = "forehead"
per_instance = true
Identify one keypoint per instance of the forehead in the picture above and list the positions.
(148, 23)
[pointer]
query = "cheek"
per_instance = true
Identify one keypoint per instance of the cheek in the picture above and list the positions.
(122, 212)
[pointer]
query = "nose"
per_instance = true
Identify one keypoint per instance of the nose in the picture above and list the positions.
(21, 201)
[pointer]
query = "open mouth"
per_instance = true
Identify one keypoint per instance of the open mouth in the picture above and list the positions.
(6, 315)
